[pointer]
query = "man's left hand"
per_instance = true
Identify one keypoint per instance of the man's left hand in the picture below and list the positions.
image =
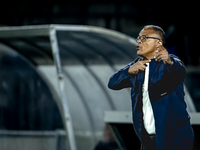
(162, 54)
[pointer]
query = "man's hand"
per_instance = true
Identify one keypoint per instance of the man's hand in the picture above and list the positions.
(162, 54)
(140, 65)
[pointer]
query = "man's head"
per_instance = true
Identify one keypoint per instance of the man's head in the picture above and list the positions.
(150, 39)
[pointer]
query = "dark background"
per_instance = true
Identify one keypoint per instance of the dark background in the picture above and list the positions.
(179, 19)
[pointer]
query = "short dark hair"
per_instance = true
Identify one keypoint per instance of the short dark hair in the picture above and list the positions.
(157, 29)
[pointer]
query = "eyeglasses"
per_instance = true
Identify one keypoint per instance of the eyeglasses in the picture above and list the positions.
(144, 37)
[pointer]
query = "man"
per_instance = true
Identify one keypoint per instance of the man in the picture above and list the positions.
(159, 111)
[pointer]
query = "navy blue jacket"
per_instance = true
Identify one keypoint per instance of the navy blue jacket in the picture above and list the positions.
(166, 93)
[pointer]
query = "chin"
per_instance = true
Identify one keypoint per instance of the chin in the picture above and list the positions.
(139, 53)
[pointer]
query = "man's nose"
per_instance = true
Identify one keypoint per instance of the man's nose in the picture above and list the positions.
(139, 41)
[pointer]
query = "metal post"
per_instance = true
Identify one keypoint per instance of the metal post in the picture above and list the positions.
(64, 102)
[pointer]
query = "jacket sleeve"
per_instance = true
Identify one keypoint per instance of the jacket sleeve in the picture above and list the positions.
(176, 71)
(121, 79)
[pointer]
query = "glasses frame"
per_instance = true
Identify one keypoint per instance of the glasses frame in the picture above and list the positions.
(144, 38)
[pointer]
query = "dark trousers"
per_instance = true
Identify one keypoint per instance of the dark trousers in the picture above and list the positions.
(149, 143)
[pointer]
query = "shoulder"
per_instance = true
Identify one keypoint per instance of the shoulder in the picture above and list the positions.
(174, 56)
(176, 59)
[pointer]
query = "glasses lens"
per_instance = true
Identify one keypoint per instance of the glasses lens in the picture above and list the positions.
(142, 38)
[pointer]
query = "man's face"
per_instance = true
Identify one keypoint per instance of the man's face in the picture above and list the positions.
(147, 49)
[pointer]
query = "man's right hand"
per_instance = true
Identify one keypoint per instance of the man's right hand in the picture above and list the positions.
(138, 66)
